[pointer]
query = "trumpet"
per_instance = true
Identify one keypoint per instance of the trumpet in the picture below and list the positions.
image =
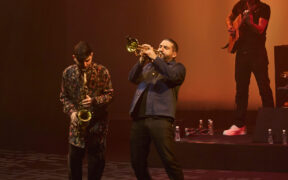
(133, 46)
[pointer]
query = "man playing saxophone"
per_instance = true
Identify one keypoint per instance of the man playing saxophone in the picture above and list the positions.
(86, 90)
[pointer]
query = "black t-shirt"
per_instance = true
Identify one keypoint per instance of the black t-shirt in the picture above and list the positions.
(249, 39)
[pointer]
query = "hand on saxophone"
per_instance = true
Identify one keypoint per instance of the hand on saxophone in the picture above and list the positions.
(87, 102)
(74, 119)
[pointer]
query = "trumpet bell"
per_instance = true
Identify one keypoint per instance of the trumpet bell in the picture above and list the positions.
(132, 44)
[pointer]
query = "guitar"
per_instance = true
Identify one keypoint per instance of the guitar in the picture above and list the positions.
(234, 38)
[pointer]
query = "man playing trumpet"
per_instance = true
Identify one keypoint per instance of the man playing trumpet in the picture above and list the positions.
(158, 77)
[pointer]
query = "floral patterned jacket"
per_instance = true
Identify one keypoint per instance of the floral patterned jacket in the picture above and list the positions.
(99, 89)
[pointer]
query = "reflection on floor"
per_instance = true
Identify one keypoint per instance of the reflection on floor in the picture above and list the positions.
(27, 165)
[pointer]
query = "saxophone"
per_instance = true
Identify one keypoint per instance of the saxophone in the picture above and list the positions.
(84, 115)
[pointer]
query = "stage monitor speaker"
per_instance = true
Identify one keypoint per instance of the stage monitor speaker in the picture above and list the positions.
(270, 118)
(281, 65)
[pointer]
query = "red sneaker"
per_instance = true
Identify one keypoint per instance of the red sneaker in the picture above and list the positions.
(234, 130)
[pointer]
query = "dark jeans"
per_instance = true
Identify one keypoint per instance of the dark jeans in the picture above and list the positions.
(96, 161)
(247, 62)
(161, 132)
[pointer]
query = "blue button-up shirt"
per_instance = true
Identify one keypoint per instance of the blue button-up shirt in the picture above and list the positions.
(163, 80)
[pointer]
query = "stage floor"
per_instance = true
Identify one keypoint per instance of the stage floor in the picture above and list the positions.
(43, 157)
(227, 153)
(219, 139)
(29, 165)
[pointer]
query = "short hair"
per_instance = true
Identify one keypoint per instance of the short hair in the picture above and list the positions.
(256, 1)
(82, 50)
(175, 45)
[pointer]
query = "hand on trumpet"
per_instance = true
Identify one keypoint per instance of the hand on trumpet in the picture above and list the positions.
(147, 50)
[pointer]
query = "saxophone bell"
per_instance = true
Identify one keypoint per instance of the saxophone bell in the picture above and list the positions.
(84, 114)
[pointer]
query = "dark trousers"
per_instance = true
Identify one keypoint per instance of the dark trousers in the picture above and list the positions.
(161, 132)
(247, 62)
(95, 158)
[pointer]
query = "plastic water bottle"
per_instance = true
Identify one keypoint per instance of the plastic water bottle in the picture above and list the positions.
(177, 134)
(284, 137)
(270, 136)
(187, 133)
(200, 124)
(210, 127)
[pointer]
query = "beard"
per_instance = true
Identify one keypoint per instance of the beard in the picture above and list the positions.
(166, 58)
(161, 55)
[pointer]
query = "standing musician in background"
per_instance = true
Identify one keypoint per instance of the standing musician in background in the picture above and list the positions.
(158, 77)
(251, 56)
(86, 85)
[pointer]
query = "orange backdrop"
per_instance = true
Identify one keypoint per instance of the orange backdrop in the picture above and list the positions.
(199, 26)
